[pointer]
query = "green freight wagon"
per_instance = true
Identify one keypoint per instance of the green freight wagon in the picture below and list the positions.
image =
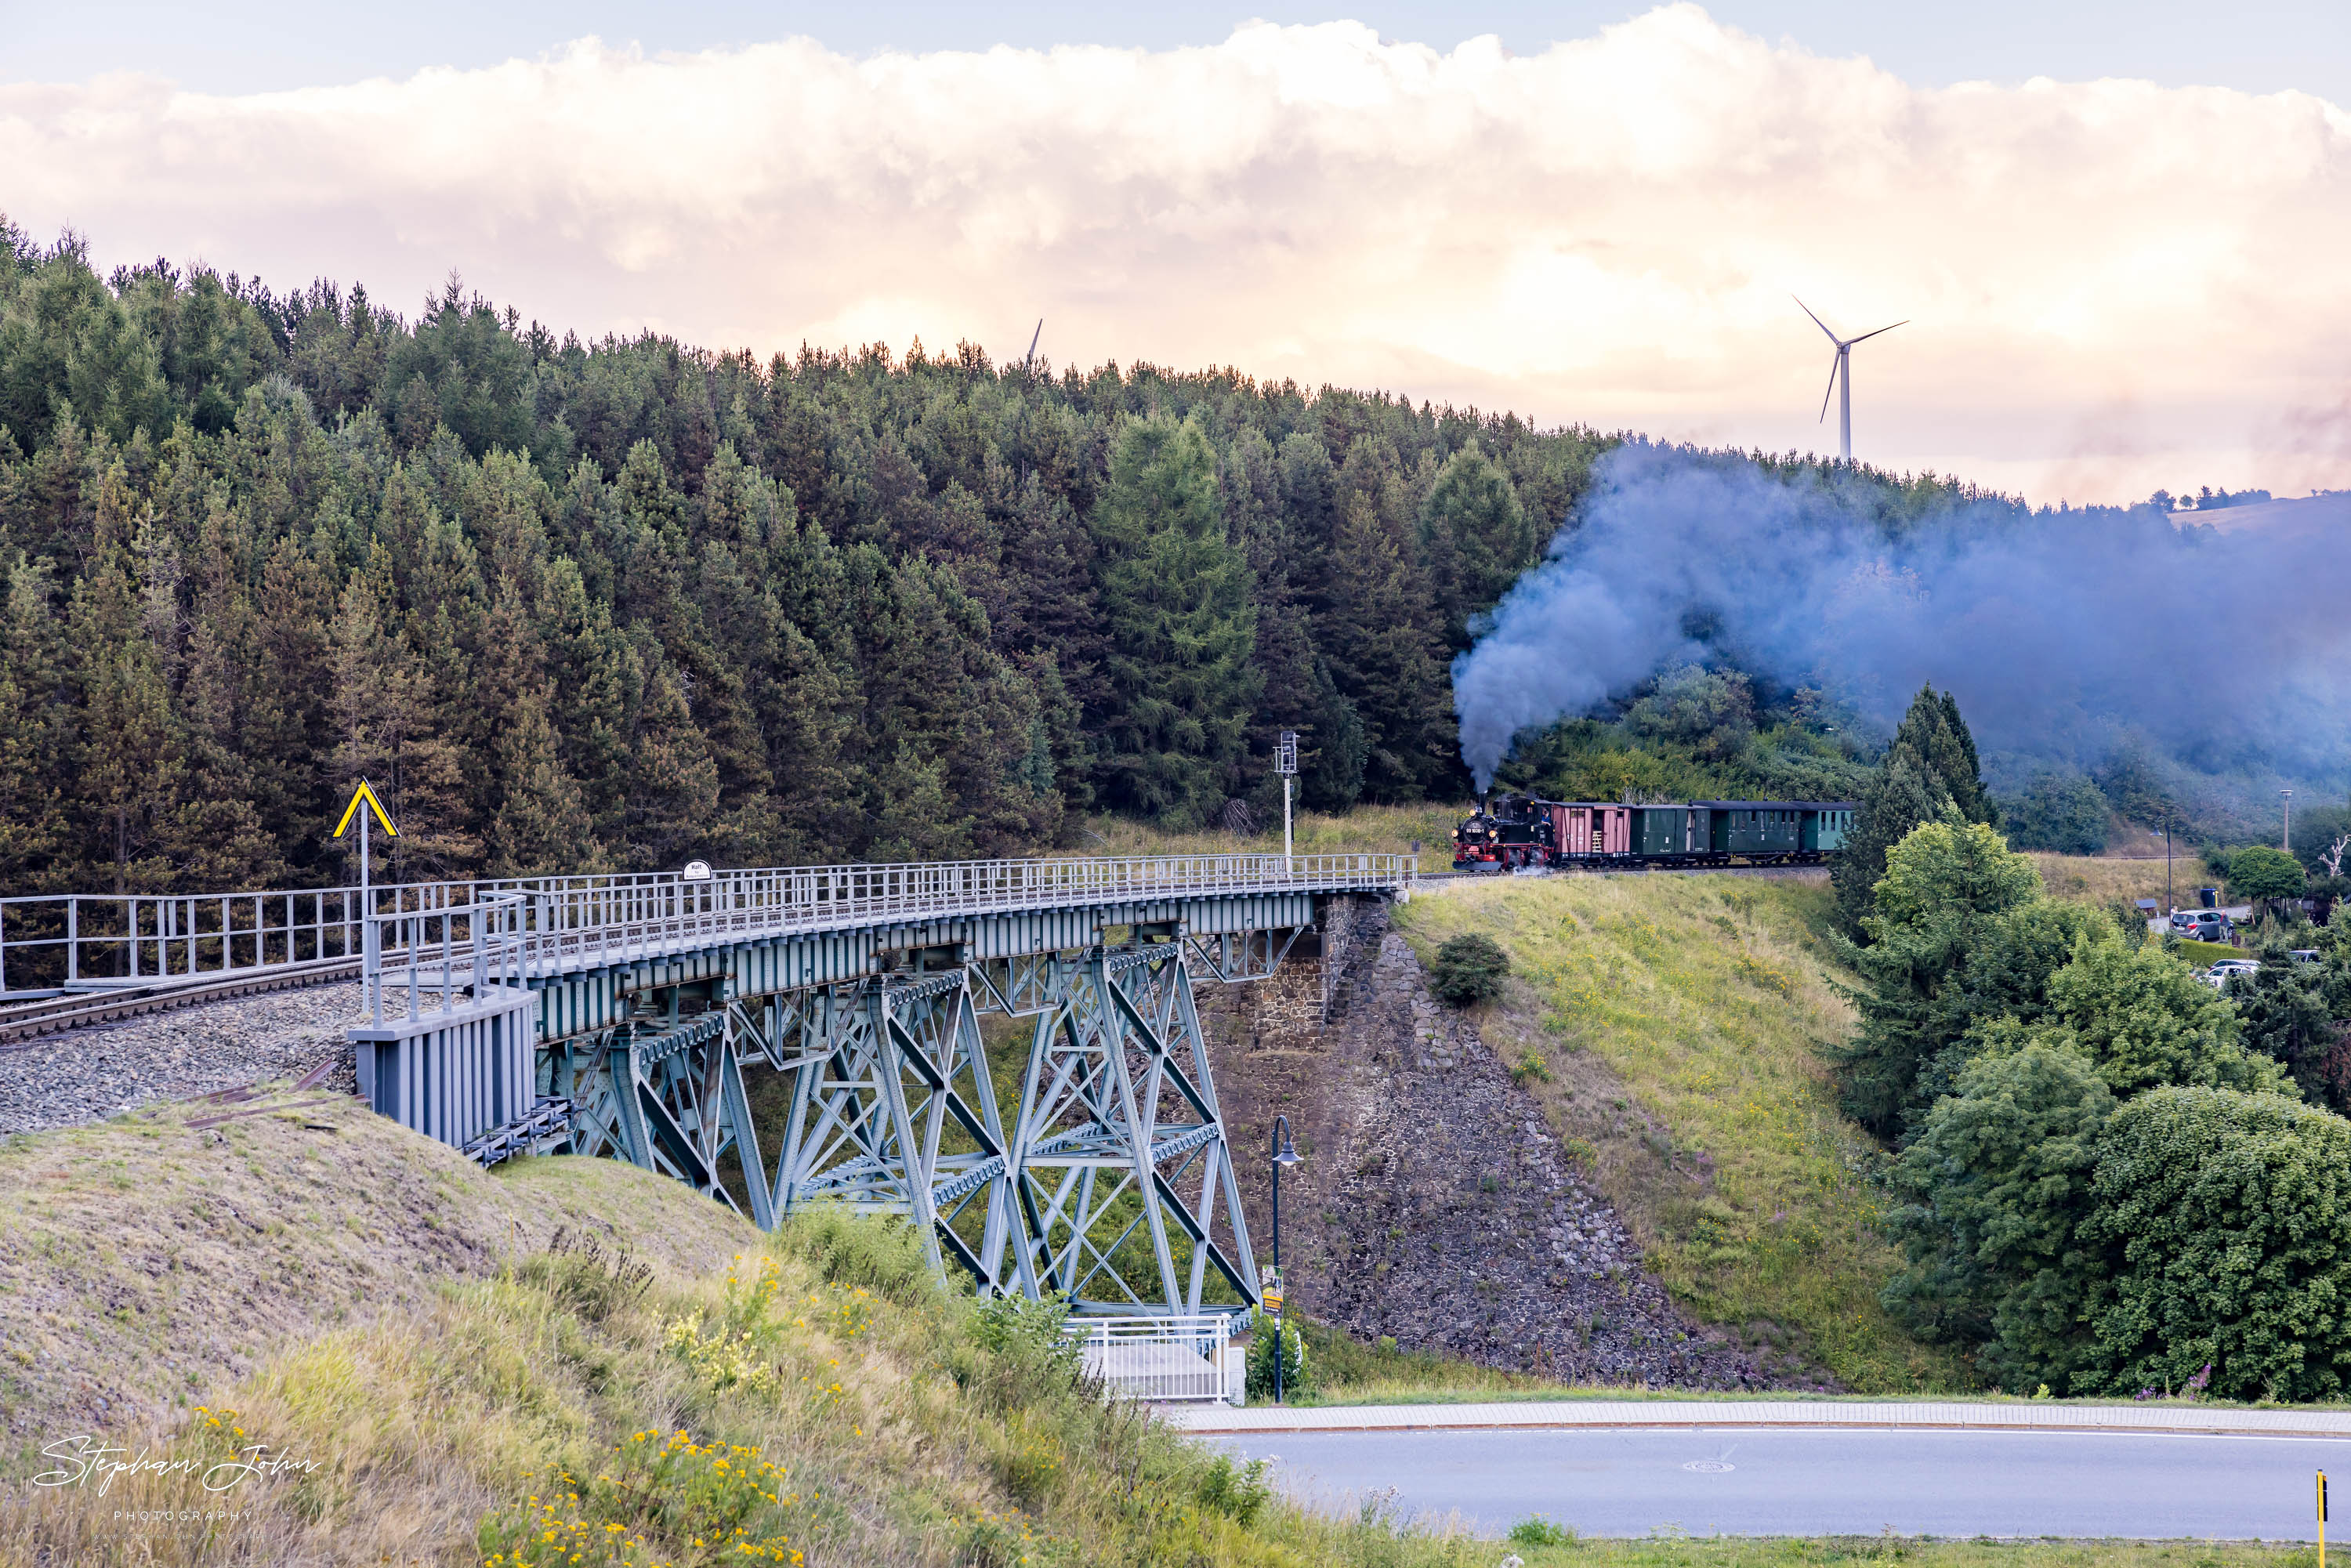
(1663, 829)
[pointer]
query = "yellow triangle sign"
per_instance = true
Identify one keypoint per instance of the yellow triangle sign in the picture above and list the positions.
(358, 795)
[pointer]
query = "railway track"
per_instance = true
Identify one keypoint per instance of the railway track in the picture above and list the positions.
(1628, 871)
(21, 1023)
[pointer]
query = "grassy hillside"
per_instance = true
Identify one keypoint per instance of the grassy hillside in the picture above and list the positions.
(1673, 1029)
(145, 1263)
(2098, 879)
(683, 1390)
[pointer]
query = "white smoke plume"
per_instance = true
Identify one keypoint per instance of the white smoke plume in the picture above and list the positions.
(2061, 633)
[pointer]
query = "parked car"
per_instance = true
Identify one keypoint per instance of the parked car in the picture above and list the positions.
(2218, 975)
(2202, 925)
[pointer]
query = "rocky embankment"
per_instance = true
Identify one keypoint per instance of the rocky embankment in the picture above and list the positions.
(1435, 1205)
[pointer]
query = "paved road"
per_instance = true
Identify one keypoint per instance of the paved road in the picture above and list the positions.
(1743, 1481)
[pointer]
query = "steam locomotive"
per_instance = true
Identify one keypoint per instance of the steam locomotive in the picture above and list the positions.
(1517, 832)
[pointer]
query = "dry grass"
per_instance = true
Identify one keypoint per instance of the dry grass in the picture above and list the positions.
(144, 1263)
(1367, 830)
(1673, 1029)
(2100, 879)
(1346, 1371)
(821, 1400)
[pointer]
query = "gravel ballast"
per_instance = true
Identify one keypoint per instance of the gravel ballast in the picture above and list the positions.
(89, 1075)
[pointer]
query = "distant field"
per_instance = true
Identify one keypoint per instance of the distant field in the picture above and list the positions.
(2095, 879)
(1371, 829)
(1673, 1029)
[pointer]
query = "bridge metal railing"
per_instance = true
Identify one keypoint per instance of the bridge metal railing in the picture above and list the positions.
(518, 928)
(78, 942)
(448, 952)
(1161, 1359)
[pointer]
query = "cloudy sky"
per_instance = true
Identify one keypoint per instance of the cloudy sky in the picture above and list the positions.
(2117, 231)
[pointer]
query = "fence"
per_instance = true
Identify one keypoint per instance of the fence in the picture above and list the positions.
(1163, 1358)
(521, 928)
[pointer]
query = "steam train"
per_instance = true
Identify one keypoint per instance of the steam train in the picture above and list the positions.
(1518, 832)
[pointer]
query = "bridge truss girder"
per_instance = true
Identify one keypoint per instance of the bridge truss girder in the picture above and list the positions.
(1118, 1101)
(1112, 1182)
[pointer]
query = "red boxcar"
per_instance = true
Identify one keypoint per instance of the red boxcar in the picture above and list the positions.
(1592, 830)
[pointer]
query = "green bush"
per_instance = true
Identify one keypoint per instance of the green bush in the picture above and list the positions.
(2261, 872)
(885, 1257)
(2146, 1021)
(1541, 1531)
(1947, 883)
(1298, 1375)
(1240, 1492)
(2107, 1185)
(1469, 968)
(2232, 1214)
(1014, 1325)
(2284, 1009)
(1998, 1187)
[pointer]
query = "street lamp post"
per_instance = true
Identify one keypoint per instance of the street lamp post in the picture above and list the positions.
(1285, 762)
(1285, 1152)
(2285, 838)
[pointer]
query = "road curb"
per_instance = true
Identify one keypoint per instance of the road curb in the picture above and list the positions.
(1599, 1416)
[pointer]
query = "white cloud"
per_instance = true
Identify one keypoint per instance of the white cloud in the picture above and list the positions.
(2111, 285)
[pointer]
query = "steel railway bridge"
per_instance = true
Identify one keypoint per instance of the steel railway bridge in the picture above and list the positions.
(644, 1017)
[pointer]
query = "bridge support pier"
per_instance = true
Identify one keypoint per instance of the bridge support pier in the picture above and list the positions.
(1119, 1155)
(1111, 1183)
(894, 1111)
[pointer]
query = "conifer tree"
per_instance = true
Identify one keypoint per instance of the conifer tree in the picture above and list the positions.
(673, 799)
(385, 718)
(1383, 655)
(1476, 538)
(35, 731)
(1930, 764)
(1176, 602)
(542, 825)
(130, 764)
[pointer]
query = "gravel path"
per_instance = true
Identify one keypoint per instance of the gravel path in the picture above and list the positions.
(88, 1074)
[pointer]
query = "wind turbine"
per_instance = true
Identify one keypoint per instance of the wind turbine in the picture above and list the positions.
(1840, 376)
(1039, 332)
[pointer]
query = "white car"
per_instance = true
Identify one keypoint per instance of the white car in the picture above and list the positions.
(2218, 976)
